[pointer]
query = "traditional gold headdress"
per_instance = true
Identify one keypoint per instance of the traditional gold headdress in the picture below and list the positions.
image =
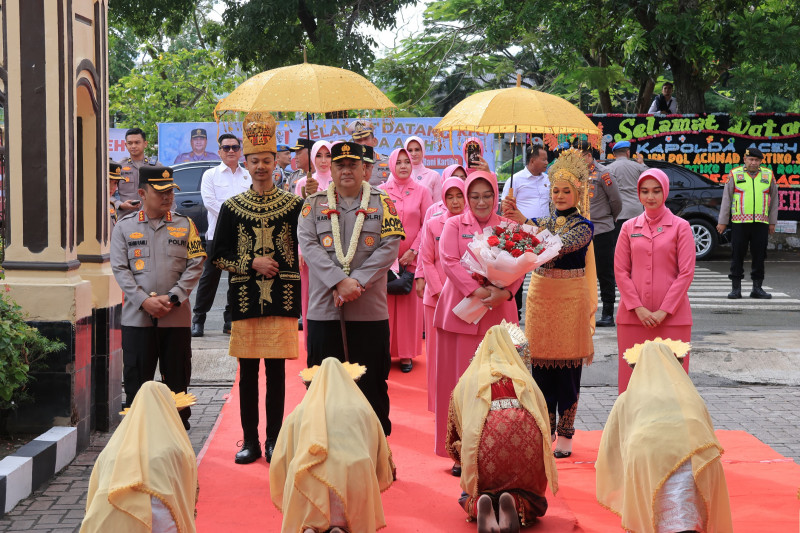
(259, 133)
(182, 401)
(571, 167)
(678, 347)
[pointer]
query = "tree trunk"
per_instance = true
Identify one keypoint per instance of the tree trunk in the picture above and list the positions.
(605, 101)
(690, 89)
(645, 97)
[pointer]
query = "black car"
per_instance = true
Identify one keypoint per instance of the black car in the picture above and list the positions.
(188, 200)
(696, 199)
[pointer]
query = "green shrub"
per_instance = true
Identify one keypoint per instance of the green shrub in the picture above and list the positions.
(22, 350)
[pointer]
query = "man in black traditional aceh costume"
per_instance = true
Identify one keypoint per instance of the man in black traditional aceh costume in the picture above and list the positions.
(255, 241)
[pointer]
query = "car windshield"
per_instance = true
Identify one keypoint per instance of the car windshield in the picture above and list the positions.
(188, 179)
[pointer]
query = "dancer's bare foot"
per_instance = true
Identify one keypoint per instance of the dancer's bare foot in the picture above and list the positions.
(509, 519)
(487, 523)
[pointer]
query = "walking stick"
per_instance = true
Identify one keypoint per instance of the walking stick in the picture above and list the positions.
(344, 333)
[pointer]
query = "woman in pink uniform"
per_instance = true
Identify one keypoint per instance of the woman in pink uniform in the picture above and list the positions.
(321, 162)
(454, 200)
(426, 176)
(654, 267)
(456, 340)
(321, 158)
(411, 199)
(448, 172)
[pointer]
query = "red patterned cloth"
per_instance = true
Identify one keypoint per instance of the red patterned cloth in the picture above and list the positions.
(510, 458)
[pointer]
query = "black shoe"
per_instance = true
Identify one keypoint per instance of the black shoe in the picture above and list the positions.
(269, 449)
(558, 454)
(197, 329)
(606, 322)
(736, 289)
(456, 470)
(758, 292)
(226, 329)
(249, 453)
(405, 368)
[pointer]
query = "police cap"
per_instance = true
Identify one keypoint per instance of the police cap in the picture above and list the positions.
(199, 132)
(753, 152)
(346, 150)
(115, 171)
(159, 176)
(368, 155)
(621, 145)
(301, 144)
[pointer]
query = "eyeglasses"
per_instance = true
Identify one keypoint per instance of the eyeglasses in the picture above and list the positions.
(230, 147)
(478, 198)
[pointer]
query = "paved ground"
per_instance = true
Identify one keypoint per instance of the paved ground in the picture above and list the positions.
(745, 363)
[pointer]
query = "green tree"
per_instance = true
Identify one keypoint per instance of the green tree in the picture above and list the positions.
(180, 86)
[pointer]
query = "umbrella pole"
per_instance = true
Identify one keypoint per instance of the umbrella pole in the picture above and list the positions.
(308, 132)
(513, 156)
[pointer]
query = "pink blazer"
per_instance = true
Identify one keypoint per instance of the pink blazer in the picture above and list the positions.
(655, 270)
(430, 257)
(456, 235)
(411, 199)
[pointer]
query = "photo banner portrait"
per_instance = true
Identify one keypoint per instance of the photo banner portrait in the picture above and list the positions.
(713, 144)
(174, 139)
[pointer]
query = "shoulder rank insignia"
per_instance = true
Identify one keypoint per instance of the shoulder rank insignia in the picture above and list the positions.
(141, 216)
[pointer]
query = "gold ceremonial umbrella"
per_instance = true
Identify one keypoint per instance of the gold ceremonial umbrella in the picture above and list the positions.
(307, 88)
(516, 110)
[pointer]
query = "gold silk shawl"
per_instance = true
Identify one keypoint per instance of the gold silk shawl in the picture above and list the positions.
(148, 455)
(332, 440)
(657, 425)
(469, 405)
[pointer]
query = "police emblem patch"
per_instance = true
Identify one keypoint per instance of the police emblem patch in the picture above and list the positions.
(327, 241)
(135, 235)
(139, 265)
(306, 210)
(137, 253)
(178, 234)
(369, 240)
(390, 206)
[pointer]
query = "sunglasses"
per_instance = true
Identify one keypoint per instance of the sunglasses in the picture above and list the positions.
(230, 147)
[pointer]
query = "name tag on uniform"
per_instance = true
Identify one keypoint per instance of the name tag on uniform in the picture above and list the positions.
(466, 236)
(637, 235)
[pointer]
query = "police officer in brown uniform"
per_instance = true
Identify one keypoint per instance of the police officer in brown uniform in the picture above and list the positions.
(363, 132)
(129, 201)
(114, 178)
(301, 149)
(157, 259)
(349, 236)
(605, 204)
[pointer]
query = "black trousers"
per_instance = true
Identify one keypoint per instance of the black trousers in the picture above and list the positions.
(518, 299)
(368, 345)
(561, 388)
(604, 245)
(207, 289)
(752, 234)
(275, 371)
(143, 348)
(618, 227)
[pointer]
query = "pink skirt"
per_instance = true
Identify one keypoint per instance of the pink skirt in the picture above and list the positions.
(430, 354)
(405, 323)
(630, 334)
(454, 351)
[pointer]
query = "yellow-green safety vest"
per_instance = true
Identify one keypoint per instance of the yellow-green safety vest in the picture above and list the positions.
(750, 196)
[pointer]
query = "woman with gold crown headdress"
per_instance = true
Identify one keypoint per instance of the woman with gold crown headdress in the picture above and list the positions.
(562, 299)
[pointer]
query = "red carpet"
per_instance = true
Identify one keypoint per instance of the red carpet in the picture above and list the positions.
(762, 483)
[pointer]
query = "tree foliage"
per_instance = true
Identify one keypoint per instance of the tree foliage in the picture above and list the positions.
(603, 55)
(178, 86)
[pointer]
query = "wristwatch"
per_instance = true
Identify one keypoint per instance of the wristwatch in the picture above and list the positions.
(173, 299)
(413, 251)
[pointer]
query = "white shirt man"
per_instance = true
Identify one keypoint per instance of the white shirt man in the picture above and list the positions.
(531, 185)
(219, 183)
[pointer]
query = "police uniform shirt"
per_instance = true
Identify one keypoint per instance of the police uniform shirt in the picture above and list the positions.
(129, 190)
(188, 157)
(156, 255)
(625, 173)
(289, 183)
(605, 202)
(380, 170)
(377, 249)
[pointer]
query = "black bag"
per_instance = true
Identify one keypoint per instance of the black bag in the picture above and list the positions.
(401, 284)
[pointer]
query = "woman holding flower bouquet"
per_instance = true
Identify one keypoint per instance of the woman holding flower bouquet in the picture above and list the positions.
(411, 199)
(456, 339)
(562, 299)
(452, 204)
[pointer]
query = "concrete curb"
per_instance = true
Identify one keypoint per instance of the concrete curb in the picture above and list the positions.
(34, 464)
